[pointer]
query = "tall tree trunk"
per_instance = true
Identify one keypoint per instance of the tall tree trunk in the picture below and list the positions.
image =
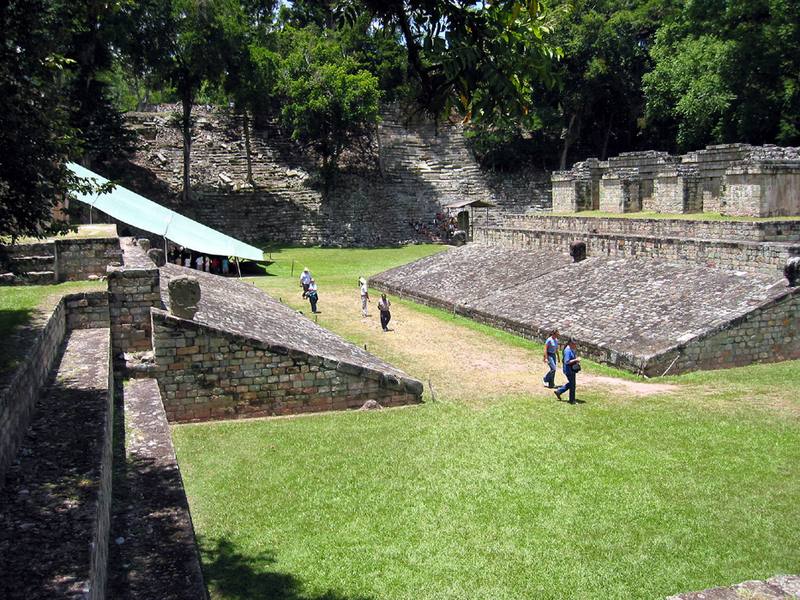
(568, 139)
(247, 149)
(186, 130)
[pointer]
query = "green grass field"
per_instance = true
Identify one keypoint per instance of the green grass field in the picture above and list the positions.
(18, 304)
(495, 490)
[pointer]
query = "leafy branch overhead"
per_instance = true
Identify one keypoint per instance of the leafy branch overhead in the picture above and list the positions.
(481, 59)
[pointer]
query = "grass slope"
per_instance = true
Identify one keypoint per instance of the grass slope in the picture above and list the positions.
(495, 490)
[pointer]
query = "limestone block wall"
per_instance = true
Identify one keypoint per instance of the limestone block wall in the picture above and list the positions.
(208, 373)
(77, 259)
(727, 254)
(762, 190)
(677, 189)
(87, 310)
(756, 231)
(647, 164)
(133, 289)
(578, 188)
(619, 191)
(770, 333)
(20, 389)
(711, 164)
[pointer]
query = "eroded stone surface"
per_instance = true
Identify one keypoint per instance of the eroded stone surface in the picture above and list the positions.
(55, 493)
(245, 310)
(782, 587)
(635, 307)
(156, 555)
(184, 296)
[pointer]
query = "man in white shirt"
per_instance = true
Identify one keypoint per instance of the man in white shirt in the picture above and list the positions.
(362, 284)
(305, 279)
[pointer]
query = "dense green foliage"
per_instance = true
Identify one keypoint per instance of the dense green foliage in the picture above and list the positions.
(728, 71)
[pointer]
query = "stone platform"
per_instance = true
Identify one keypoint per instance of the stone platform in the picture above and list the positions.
(245, 354)
(644, 315)
(759, 246)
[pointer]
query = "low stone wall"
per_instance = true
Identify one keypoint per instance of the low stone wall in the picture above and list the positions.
(207, 373)
(770, 333)
(20, 389)
(88, 310)
(77, 259)
(755, 231)
(737, 255)
(133, 289)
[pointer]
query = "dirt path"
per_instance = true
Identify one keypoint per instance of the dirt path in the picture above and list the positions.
(459, 363)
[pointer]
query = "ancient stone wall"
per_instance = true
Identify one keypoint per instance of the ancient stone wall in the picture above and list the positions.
(727, 254)
(88, 310)
(77, 259)
(755, 231)
(133, 288)
(207, 373)
(732, 179)
(410, 172)
(619, 191)
(770, 333)
(19, 390)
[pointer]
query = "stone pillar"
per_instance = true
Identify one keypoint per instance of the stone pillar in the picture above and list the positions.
(678, 190)
(133, 289)
(579, 188)
(762, 189)
(619, 191)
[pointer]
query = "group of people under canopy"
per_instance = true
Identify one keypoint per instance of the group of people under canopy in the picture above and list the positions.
(183, 257)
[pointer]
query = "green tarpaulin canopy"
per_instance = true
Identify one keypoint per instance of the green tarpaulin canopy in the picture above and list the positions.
(133, 209)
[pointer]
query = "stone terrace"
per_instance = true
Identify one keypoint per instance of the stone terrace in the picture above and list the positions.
(624, 311)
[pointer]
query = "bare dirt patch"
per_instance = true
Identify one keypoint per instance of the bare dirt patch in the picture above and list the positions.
(459, 363)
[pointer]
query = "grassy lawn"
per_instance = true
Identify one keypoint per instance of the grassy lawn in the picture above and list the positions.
(705, 216)
(18, 305)
(97, 230)
(495, 490)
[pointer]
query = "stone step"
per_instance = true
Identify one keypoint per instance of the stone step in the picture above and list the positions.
(34, 249)
(31, 278)
(27, 264)
(154, 553)
(55, 513)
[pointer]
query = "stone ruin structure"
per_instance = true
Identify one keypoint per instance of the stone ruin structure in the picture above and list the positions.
(731, 179)
(100, 379)
(645, 315)
(413, 169)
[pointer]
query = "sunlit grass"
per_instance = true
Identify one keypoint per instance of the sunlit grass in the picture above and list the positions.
(495, 490)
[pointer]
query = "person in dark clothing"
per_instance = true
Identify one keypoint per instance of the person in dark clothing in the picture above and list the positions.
(551, 359)
(311, 294)
(384, 306)
(571, 364)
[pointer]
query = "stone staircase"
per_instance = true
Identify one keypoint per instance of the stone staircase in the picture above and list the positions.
(28, 264)
(56, 499)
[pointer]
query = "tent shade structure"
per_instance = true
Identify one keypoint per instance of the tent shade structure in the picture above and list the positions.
(137, 211)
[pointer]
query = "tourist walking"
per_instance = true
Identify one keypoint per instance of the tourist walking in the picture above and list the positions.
(312, 295)
(305, 279)
(362, 286)
(384, 306)
(570, 364)
(551, 359)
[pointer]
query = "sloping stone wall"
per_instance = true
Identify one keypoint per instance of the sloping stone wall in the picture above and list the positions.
(635, 313)
(206, 373)
(245, 354)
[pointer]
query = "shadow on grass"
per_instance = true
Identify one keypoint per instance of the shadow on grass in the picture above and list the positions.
(12, 321)
(231, 574)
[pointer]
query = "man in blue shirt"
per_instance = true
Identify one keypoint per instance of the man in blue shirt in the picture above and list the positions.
(551, 359)
(568, 362)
